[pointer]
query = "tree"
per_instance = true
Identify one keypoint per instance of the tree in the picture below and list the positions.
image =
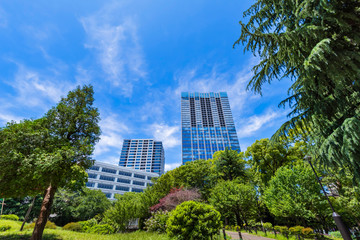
(230, 197)
(294, 193)
(19, 207)
(193, 220)
(317, 45)
(54, 151)
(265, 157)
(229, 165)
(73, 206)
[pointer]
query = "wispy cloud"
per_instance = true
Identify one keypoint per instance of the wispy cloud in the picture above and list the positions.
(4, 118)
(169, 135)
(116, 44)
(35, 89)
(258, 122)
(111, 136)
(171, 166)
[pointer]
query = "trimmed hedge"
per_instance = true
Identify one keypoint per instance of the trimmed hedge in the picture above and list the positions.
(73, 226)
(10, 217)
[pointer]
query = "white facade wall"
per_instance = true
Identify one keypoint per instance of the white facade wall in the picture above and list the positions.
(113, 179)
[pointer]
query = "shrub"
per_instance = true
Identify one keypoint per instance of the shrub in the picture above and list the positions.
(86, 225)
(193, 220)
(284, 230)
(268, 226)
(73, 226)
(4, 228)
(296, 230)
(336, 234)
(307, 232)
(157, 222)
(10, 217)
(277, 228)
(101, 229)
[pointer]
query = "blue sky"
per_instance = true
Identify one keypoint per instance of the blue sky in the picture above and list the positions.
(139, 56)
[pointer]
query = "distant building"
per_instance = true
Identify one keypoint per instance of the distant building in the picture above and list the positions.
(207, 125)
(143, 154)
(113, 179)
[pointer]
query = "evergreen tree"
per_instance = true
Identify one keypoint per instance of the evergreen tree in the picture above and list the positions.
(315, 43)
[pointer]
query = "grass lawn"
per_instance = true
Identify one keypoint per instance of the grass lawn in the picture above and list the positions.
(58, 234)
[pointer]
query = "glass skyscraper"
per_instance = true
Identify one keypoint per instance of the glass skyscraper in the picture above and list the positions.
(207, 125)
(143, 154)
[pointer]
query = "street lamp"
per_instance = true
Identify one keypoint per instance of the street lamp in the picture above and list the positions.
(344, 230)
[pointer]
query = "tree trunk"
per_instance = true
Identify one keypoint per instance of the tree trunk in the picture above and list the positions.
(2, 207)
(28, 213)
(44, 213)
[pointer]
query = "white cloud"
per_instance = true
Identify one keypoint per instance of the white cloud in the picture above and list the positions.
(9, 117)
(116, 44)
(37, 90)
(169, 135)
(111, 136)
(170, 166)
(257, 122)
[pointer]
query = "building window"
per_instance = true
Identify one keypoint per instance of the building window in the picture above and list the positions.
(121, 188)
(138, 183)
(136, 190)
(107, 178)
(123, 180)
(108, 195)
(125, 173)
(96, 168)
(90, 184)
(91, 175)
(139, 176)
(108, 170)
(105, 186)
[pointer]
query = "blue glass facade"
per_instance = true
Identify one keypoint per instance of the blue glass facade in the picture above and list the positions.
(143, 154)
(207, 125)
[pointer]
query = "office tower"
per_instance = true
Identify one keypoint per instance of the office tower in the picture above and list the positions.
(207, 125)
(143, 154)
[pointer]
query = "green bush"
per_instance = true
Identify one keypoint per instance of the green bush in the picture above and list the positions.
(4, 228)
(307, 232)
(101, 229)
(268, 226)
(73, 226)
(193, 220)
(10, 217)
(86, 225)
(277, 228)
(157, 222)
(336, 234)
(49, 225)
(296, 230)
(284, 230)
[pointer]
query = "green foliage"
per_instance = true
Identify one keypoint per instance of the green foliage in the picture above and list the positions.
(157, 222)
(4, 227)
(126, 208)
(19, 207)
(229, 165)
(265, 158)
(294, 193)
(336, 234)
(10, 217)
(230, 197)
(296, 230)
(73, 226)
(284, 230)
(317, 45)
(86, 225)
(71, 206)
(268, 226)
(101, 229)
(193, 220)
(307, 232)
